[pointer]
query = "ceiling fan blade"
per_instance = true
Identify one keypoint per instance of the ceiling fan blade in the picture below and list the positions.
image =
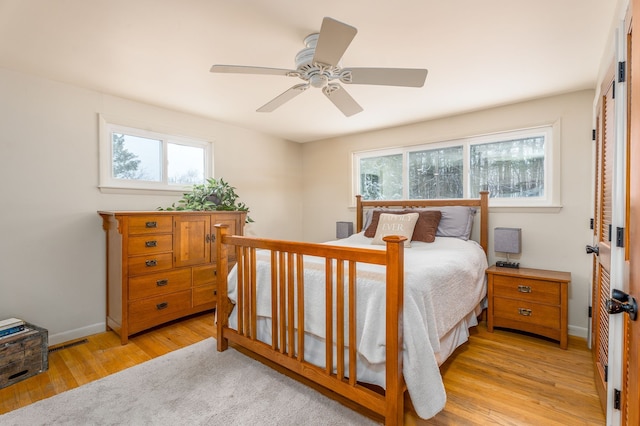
(284, 97)
(409, 77)
(241, 69)
(333, 41)
(342, 99)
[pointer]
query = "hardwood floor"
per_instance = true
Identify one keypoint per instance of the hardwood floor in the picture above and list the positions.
(502, 378)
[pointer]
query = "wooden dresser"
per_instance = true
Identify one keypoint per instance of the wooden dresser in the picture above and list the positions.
(531, 300)
(161, 265)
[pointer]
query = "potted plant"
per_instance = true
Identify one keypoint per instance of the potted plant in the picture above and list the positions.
(211, 195)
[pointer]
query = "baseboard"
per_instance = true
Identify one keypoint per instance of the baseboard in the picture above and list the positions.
(578, 331)
(78, 333)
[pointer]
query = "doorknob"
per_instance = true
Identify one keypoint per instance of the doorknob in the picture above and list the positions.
(622, 302)
(593, 249)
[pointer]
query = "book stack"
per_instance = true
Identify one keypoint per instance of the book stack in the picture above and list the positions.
(12, 326)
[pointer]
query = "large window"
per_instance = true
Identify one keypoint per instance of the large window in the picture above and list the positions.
(134, 158)
(515, 167)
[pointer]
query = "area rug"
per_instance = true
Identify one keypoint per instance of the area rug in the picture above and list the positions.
(196, 385)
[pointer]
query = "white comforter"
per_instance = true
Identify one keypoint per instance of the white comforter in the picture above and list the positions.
(444, 282)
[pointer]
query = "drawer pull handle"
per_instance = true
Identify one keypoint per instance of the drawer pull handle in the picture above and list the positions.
(152, 243)
(524, 289)
(151, 262)
(162, 283)
(215, 292)
(163, 305)
(207, 239)
(524, 312)
(151, 224)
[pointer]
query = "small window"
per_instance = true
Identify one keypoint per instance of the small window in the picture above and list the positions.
(381, 177)
(436, 173)
(133, 158)
(509, 169)
(515, 167)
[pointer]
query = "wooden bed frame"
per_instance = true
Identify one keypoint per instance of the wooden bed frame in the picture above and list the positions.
(287, 260)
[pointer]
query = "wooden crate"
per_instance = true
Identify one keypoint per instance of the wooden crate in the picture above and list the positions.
(23, 355)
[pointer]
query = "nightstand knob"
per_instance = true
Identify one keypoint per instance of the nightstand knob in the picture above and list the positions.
(524, 289)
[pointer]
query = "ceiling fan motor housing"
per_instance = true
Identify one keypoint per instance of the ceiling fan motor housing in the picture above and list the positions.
(318, 75)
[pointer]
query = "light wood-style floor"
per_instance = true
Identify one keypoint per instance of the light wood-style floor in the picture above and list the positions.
(500, 378)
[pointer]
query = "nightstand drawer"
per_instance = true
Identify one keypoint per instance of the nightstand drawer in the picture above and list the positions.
(527, 289)
(523, 311)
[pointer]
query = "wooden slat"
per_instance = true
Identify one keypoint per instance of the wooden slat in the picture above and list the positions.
(352, 323)
(282, 311)
(290, 305)
(340, 319)
(301, 323)
(328, 316)
(276, 343)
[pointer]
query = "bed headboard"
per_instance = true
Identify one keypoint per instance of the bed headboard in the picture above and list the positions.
(482, 203)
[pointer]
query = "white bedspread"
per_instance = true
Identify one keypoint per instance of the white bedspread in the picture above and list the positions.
(444, 282)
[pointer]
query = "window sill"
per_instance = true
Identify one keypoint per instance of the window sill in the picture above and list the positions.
(525, 209)
(141, 191)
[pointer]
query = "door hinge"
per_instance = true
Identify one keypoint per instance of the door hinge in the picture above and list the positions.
(593, 134)
(613, 90)
(619, 237)
(606, 373)
(616, 399)
(590, 312)
(610, 232)
(622, 71)
(591, 223)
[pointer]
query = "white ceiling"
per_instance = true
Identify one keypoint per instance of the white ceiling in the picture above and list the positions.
(479, 54)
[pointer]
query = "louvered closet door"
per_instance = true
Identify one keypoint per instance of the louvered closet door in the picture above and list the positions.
(631, 341)
(602, 233)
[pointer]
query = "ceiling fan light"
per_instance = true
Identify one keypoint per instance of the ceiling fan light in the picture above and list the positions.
(318, 80)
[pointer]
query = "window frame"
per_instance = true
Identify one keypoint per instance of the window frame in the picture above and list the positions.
(552, 150)
(109, 184)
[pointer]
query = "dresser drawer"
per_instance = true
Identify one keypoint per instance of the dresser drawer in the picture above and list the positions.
(528, 289)
(145, 310)
(150, 263)
(528, 312)
(152, 224)
(204, 275)
(159, 283)
(145, 244)
(205, 294)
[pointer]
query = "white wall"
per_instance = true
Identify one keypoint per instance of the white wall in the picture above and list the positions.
(52, 255)
(52, 246)
(551, 239)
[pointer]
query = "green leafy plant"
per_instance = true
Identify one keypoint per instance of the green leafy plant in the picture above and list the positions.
(212, 195)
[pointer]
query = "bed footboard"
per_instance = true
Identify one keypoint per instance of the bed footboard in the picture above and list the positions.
(287, 307)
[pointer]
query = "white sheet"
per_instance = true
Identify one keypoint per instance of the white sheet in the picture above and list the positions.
(444, 283)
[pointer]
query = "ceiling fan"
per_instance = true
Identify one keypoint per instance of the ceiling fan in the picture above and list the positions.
(319, 66)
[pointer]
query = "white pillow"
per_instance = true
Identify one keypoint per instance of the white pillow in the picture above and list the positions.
(395, 224)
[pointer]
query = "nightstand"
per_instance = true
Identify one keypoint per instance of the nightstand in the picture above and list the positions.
(531, 300)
